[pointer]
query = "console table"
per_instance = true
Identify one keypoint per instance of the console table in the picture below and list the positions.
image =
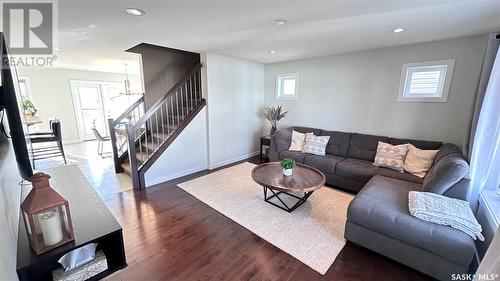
(92, 223)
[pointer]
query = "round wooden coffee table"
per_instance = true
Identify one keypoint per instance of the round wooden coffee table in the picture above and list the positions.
(304, 180)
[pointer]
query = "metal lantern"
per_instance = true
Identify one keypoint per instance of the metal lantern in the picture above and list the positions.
(46, 216)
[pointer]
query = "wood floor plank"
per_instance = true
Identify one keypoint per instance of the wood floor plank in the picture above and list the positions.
(171, 235)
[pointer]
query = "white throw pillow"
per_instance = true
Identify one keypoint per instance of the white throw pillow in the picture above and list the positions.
(391, 156)
(315, 144)
(419, 161)
(298, 141)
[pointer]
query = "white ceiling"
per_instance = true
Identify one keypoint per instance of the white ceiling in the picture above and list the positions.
(94, 33)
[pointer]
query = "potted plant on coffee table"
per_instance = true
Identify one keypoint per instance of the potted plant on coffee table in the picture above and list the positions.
(288, 164)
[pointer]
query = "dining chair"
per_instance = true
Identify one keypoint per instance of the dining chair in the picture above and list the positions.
(100, 141)
(54, 136)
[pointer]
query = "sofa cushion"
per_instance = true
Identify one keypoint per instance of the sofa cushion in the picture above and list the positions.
(364, 147)
(338, 143)
(325, 163)
(426, 145)
(449, 168)
(397, 175)
(382, 206)
(304, 130)
(359, 170)
(281, 139)
(296, 155)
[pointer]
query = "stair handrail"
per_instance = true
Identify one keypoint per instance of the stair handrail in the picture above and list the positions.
(129, 110)
(112, 123)
(163, 99)
(156, 154)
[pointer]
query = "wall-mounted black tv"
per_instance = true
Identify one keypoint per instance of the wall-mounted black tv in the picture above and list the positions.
(10, 99)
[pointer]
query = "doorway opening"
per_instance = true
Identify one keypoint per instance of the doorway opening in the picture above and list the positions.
(95, 102)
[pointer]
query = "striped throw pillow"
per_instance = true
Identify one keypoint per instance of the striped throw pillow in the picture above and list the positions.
(315, 144)
(391, 156)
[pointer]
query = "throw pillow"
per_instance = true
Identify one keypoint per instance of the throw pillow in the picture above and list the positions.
(391, 156)
(419, 161)
(298, 141)
(315, 144)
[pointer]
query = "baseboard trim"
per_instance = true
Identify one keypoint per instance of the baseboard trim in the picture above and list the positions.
(232, 160)
(175, 175)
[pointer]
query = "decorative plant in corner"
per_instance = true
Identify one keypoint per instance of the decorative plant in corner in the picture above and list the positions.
(287, 164)
(274, 114)
(29, 108)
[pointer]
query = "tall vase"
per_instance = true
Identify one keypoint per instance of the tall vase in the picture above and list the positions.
(273, 129)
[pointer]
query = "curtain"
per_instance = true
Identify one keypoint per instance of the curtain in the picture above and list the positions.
(485, 156)
(489, 58)
(491, 261)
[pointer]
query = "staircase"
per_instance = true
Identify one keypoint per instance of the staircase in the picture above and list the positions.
(139, 137)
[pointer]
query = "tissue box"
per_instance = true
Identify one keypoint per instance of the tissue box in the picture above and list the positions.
(84, 272)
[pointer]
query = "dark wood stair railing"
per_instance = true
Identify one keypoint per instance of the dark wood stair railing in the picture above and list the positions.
(159, 126)
(117, 131)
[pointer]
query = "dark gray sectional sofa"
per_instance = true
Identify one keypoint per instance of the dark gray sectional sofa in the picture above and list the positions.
(378, 216)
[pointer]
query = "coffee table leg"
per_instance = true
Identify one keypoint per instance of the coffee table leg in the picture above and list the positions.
(283, 205)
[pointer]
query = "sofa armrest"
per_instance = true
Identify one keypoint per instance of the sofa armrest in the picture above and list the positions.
(460, 190)
(280, 141)
(448, 169)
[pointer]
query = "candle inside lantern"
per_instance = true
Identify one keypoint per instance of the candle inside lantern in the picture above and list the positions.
(51, 228)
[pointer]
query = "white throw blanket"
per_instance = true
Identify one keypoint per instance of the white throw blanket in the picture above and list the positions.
(444, 210)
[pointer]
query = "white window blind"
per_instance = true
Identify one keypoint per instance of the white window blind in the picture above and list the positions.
(426, 82)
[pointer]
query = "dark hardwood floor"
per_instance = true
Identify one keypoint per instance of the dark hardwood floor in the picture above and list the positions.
(170, 235)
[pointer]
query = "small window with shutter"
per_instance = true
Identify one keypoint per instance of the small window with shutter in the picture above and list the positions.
(426, 81)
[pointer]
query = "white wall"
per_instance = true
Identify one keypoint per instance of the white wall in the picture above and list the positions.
(235, 95)
(52, 94)
(186, 155)
(10, 197)
(357, 92)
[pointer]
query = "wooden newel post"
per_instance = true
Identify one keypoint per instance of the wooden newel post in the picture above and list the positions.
(112, 137)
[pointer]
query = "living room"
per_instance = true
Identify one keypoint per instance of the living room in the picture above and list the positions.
(308, 141)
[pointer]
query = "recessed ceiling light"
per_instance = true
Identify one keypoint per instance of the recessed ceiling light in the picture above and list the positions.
(398, 30)
(57, 49)
(279, 22)
(135, 12)
(272, 52)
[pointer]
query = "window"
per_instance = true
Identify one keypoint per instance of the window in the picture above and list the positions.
(287, 86)
(426, 81)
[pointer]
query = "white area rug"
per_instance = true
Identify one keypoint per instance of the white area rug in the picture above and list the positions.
(313, 233)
